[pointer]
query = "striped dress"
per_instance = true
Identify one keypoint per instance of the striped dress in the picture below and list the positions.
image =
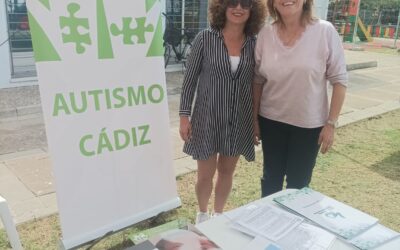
(222, 115)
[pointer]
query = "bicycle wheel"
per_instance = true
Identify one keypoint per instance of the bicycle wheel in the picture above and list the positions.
(167, 54)
(185, 54)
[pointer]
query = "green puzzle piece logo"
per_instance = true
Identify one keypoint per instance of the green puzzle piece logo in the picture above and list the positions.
(76, 30)
(127, 32)
(73, 23)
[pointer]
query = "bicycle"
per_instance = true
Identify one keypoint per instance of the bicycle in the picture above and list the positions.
(177, 40)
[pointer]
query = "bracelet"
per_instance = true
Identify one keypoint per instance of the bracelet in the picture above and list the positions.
(333, 123)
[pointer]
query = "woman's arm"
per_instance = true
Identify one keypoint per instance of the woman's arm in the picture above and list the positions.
(190, 79)
(258, 83)
(193, 69)
(326, 136)
(338, 94)
(257, 91)
(337, 75)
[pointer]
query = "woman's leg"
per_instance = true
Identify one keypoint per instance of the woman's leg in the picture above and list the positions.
(274, 136)
(225, 167)
(302, 153)
(205, 173)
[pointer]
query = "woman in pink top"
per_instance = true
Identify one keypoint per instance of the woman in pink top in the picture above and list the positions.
(296, 57)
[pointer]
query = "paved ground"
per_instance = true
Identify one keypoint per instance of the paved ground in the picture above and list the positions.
(26, 180)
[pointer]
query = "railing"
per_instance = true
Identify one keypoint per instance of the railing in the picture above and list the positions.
(22, 62)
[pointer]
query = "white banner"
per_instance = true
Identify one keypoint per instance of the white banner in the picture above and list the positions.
(104, 98)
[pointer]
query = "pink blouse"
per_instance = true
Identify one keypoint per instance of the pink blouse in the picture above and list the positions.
(295, 78)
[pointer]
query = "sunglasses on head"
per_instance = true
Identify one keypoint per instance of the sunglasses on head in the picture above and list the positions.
(246, 4)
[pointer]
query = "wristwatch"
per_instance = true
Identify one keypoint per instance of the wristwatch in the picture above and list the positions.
(333, 123)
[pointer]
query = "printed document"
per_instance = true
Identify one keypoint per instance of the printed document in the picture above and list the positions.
(303, 237)
(331, 214)
(268, 221)
(374, 237)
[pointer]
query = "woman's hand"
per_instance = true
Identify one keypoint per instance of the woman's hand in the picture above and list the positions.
(326, 138)
(185, 128)
(256, 137)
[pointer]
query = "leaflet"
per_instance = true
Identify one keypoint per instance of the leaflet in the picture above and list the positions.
(307, 237)
(268, 221)
(189, 238)
(304, 237)
(333, 215)
(374, 237)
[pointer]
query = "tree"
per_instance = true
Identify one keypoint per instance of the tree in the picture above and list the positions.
(387, 9)
(379, 4)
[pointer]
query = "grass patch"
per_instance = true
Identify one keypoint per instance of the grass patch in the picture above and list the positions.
(362, 170)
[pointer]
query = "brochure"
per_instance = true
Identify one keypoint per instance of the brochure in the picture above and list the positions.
(183, 239)
(307, 237)
(331, 214)
(146, 234)
(303, 237)
(374, 237)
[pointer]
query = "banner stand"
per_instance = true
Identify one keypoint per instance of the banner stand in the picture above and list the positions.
(95, 237)
(104, 97)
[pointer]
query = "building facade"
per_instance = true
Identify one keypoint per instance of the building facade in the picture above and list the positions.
(189, 14)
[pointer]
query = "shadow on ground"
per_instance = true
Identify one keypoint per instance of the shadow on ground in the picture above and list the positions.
(389, 167)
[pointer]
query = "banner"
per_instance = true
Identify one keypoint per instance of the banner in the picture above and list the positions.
(102, 84)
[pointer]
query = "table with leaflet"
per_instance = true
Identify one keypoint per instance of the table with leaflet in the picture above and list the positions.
(218, 229)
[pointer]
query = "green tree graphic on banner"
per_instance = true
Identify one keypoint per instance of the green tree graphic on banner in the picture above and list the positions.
(43, 48)
(46, 3)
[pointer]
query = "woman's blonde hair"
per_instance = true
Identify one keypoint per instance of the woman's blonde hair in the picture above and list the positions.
(306, 17)
(258, 13)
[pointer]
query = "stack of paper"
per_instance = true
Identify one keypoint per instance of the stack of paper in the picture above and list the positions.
(374, 237)
(303, 237)
(358, 228)
(266, 220)
(333, 215)
(277, 229)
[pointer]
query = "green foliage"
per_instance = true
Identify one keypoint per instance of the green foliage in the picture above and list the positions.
(371, 4)
(380, 4)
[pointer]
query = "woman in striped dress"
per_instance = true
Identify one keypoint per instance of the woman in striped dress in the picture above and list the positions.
(220, 71)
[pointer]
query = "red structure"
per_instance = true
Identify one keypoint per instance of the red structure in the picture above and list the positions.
(353, 7)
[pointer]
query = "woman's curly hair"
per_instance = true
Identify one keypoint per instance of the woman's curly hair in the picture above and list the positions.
(258, 13)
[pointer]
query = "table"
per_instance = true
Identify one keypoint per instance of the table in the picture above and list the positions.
(219, 231)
